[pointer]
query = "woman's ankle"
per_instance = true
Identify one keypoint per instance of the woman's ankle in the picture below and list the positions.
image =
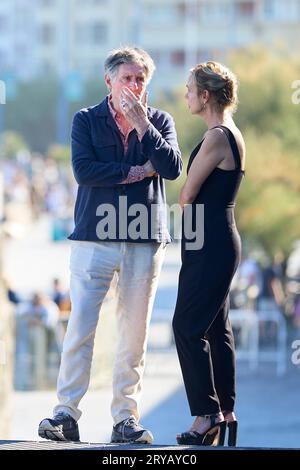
(216, 417)
(229, 416)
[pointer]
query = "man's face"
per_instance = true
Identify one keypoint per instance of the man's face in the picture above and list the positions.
(130, 76)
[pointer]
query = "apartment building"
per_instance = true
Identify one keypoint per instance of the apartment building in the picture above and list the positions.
(42, 37)
(181, 33)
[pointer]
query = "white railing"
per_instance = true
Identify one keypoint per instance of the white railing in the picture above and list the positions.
(36, 364)
(249, 324)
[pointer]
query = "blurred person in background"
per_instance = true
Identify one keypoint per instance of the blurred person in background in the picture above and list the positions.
(61, 297)
(247, 284)
(272, 295)
(11, 292)
(121, 149)
(40, 312)
(58, 293)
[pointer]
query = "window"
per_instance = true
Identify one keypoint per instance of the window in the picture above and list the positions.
(92, 2)
(99, 32)
(190, 10)
(277, 10)
(47, 67)
(161, 57)
(177, 58)
(2, 61)
(215, 12)
(203, 55)
(181, 8)
(269, 9)
(47, 33)
(156, 56)
(47, 3)
(81, 33)
(161, 14)
(3, 22)
(21, 50)
(245, 9)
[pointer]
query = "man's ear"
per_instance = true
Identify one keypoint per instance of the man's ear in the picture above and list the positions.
(107, 79)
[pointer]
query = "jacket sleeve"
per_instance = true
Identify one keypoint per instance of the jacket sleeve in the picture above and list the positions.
(89, 171)
(161, 148)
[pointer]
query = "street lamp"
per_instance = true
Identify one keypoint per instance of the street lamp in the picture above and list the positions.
(71, 89)
(8, 92)
(70, 81)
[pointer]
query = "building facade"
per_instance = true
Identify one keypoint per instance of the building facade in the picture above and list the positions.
(42, 37)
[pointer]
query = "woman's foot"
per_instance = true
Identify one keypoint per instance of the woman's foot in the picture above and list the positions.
(202, 423)
(229, 416)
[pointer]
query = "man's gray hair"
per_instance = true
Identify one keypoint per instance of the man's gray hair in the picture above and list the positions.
(129, 55)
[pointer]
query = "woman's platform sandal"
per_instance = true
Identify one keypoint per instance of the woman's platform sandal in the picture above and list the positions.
(232, 430)
(213, 436)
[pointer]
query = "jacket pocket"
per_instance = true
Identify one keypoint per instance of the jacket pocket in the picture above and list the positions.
(105, 151)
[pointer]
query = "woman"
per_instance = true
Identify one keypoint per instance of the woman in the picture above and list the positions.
(202, 330)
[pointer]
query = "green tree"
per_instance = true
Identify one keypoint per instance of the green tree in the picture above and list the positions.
(60, 153)
(34, 112)
(11, 144)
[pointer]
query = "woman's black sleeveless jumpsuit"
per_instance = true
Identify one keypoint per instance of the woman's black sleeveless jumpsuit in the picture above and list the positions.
(202, 330)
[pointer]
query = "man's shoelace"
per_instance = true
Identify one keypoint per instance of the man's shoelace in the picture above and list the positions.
(61, 415)
(130, 422)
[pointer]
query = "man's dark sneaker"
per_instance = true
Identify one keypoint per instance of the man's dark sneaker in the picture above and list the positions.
(60, 428)
(132, 432)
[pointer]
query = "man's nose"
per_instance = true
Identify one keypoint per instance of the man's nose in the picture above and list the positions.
(133, 84)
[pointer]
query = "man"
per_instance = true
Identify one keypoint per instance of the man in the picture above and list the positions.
(121, 152)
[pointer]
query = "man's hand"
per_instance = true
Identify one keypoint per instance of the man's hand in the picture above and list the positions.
(135, 110)
(149, 169)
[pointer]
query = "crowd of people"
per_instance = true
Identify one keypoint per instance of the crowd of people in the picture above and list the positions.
(40, 324)
(35, 184)
(267, 286)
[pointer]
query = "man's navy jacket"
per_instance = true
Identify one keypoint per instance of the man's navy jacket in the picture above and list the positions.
(99, 165)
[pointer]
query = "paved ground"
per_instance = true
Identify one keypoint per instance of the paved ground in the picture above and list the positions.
(49, 445)
(267, 407)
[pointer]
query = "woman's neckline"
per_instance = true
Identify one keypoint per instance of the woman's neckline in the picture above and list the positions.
(218, 125)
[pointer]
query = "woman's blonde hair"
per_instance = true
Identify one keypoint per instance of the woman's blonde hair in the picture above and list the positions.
(221, 83)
